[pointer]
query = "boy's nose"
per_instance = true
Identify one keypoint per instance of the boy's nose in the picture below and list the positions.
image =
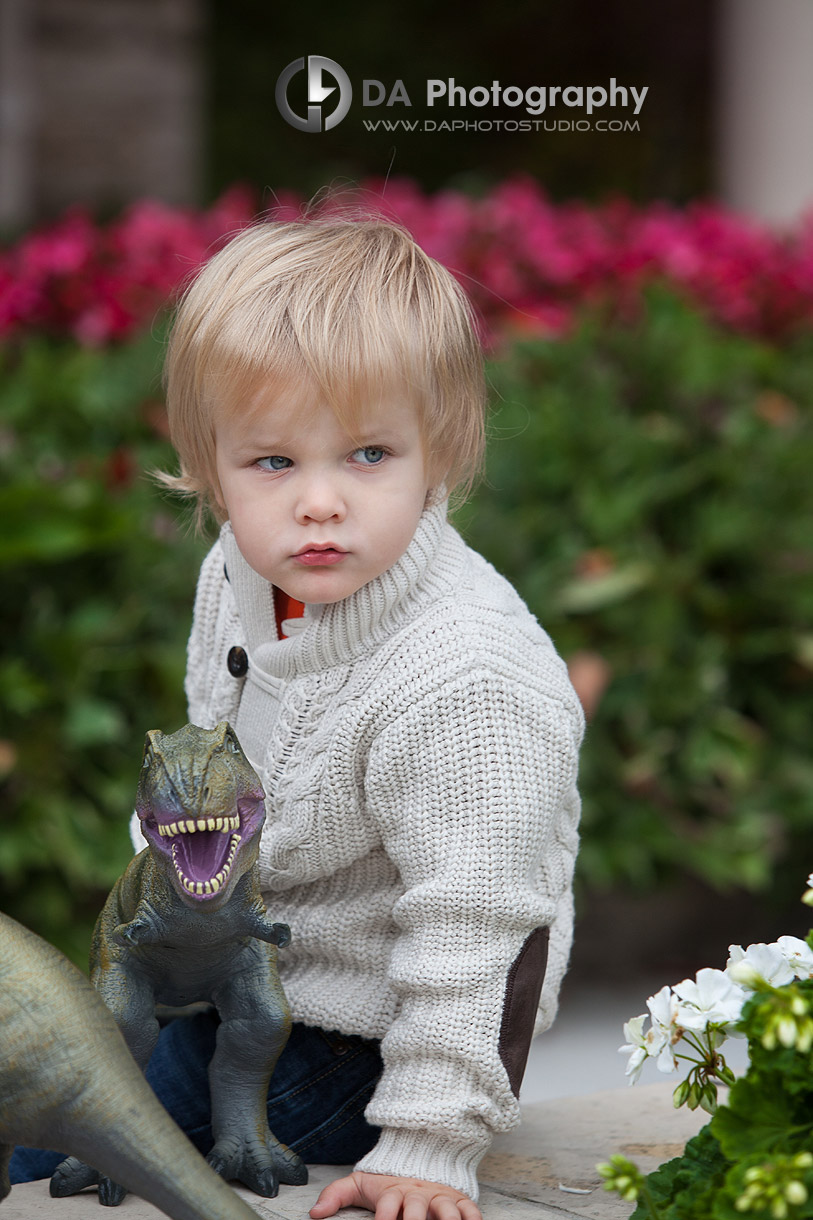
(319, 500)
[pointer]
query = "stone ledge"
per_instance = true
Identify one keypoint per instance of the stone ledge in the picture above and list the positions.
(544, 1169)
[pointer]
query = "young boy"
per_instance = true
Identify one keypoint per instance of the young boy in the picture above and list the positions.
(414, 729)
(416, 733)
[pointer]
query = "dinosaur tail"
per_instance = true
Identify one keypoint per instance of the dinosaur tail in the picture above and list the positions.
(68, 1081)
(144, 1150)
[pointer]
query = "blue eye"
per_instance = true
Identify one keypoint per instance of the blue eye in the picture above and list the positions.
(274, 463)
(371, 455)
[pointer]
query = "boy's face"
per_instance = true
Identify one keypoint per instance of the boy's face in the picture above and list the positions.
(315, 511)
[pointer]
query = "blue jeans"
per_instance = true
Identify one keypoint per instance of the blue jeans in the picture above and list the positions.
(316, 1101)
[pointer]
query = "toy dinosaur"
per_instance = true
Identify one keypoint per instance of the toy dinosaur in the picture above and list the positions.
(186, 922)
(67, 1081)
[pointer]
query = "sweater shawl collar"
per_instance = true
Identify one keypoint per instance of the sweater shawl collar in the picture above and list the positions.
(335, 633)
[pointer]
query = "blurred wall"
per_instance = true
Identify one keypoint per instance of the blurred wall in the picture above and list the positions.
(765, 107)
(101, 101)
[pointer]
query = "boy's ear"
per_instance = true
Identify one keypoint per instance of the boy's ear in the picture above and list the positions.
(437, 490)
(435, 495)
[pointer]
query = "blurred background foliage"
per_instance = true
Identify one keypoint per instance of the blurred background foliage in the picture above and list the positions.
(649, 494)
(96, 571)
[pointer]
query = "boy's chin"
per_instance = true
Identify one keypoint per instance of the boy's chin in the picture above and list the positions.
(316, 592)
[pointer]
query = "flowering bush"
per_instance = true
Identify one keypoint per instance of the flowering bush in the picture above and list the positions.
(528, 263)
(97, 283)
(754, 1156)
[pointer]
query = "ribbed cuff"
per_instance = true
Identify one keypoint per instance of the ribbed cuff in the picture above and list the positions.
(423, 1154)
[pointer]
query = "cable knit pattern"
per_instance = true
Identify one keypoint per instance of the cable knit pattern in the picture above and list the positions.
(418, 742)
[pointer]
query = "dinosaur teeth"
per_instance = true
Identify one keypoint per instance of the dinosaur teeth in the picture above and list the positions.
(213, 884)
(188, 827)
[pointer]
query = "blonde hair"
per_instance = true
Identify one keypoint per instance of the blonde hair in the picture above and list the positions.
(355, 307)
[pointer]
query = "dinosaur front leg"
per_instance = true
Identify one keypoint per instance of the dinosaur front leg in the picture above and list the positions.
(145, 928)
(255, 1024)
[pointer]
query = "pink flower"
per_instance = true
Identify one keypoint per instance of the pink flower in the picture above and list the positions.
(529, 263)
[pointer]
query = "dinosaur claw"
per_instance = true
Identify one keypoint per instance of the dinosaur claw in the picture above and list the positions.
(257, 1165)
(71, 1176)
(218, 1163)
(265, 1183)
(282, 935)
(294, 1175)
(110, 1193)
(132, 933)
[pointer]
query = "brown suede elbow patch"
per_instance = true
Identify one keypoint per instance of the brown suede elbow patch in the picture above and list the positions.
(522, 990)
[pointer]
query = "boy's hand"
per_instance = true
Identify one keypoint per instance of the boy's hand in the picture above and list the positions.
(391, 1198)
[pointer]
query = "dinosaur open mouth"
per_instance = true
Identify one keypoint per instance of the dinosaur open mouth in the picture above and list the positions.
(203, 852)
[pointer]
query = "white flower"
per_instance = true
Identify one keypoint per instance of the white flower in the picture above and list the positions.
(767, 962)
(635, 1046)
(713, 999)
(798, 954)
(656, 1043)
(665, 1032)
(745, 975)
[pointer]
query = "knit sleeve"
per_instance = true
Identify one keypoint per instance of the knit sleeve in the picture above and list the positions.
(474, 793)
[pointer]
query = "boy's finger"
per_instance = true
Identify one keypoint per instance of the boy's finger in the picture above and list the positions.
(389, 1204)
(341, 1193)
(444, 1208)
(417, 1204)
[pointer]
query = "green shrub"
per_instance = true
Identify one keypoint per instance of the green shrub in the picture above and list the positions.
(650, 495)
(97, 578)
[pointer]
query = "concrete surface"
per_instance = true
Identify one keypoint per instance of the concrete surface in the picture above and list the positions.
(544, 1170)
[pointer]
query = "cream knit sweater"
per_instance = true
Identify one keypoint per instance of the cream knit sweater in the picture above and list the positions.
(418, 743)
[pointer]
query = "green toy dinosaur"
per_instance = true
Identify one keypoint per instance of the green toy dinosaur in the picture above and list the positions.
(186, 922)
(67, 1081)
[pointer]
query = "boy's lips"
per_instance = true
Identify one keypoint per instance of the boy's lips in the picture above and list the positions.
(319, 555)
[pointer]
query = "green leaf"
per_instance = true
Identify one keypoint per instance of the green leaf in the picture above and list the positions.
(594, 593)
(91, 722)
(684, 1188)
(760, 1118)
